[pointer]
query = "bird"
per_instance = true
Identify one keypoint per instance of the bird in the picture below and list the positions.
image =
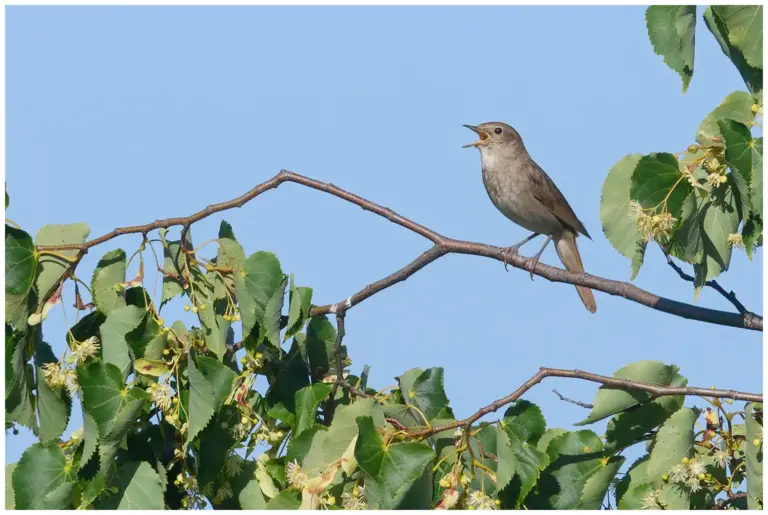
(525, 194)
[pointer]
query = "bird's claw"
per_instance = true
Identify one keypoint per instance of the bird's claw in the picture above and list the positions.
(507, 253)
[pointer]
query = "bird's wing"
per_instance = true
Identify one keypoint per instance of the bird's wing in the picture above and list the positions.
(545, 191)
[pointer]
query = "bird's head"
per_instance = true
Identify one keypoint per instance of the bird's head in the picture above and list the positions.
(495, 135)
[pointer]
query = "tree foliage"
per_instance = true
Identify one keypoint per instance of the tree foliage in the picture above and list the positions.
(171, 417)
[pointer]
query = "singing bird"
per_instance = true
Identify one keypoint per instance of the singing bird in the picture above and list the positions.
(525, 194)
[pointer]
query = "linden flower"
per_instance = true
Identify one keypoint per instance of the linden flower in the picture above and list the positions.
(715, 179)
(693, 484)
(233, 466)
(696, 468)
(713, 164)
(296, 478)
(678, 473)
(87, 349)
(53, 375)
(161, 394)
(354, 500)
(651, 500)
(735, 240)
(241, 430)
(70, 382)
(224, 492)
(479, 501)
(721, 459)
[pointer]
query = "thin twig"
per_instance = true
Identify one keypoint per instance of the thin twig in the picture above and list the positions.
(724, 503)
(624, 384)
(731, 296)
(341, 313)
(442, 246)
(577, 403)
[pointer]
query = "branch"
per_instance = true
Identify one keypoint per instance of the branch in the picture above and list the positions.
(442, 246)
(731, 296)
(723, 503)
(577, 403)
(341, 313)
(624, 384)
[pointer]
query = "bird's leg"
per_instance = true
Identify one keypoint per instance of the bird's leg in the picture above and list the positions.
(538, 255)
(511, 251)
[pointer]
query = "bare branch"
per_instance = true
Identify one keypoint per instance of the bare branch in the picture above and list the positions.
(442, 246)
(624, 384)
(577, 403)
(731, 296)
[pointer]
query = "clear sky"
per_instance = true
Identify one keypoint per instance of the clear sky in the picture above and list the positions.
(120, 116)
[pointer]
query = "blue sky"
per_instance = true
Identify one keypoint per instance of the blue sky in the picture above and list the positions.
(120, 116)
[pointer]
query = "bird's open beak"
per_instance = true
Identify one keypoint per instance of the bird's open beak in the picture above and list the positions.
(480, 132)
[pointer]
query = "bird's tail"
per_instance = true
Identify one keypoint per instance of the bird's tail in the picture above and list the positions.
(568, 252)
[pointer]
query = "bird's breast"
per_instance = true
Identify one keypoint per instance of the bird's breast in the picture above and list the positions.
(509, 193)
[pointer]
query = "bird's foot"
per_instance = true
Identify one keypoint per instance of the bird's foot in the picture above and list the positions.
(534, 261)
(507, 253)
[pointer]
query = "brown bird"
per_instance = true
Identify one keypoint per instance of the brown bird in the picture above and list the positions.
(525, 194)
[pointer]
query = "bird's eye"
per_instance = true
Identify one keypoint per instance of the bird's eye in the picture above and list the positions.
(497, 130)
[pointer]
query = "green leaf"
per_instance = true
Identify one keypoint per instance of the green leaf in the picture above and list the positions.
(105, 396)
(756, 186)
(610, 401)
(525, 420)
(672, 443)
(299, 446)
(597, 485)
(754, 424)
(20, 402)
(20, 261)
(320, 341)
(285, 500)
(52, 267)
(523, 426)
(138, 488)
(251, 497)
(392, 468)
(745, 30)
(618, 224)
(174, 266)
(148, 339)
(54, 407)
(428, 394)
(90, 438)
(40, 473)
(751, 234)
(329, 446)
(738, 155)
(671, 29)
(114, 346)
(636, 475)
(720, 219)
(151, 367)
(299, 311)
(10, 502)
(687, 242)
(211, 311)
(219, 376)
(273, 312)
(201, 401)
(109, 273)
(634, 425)
(737, 106)
(575, 456)
(215, 442)
(230, 255)
(752, 76)
(307, 401)
(657, 182)
(255, 284)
